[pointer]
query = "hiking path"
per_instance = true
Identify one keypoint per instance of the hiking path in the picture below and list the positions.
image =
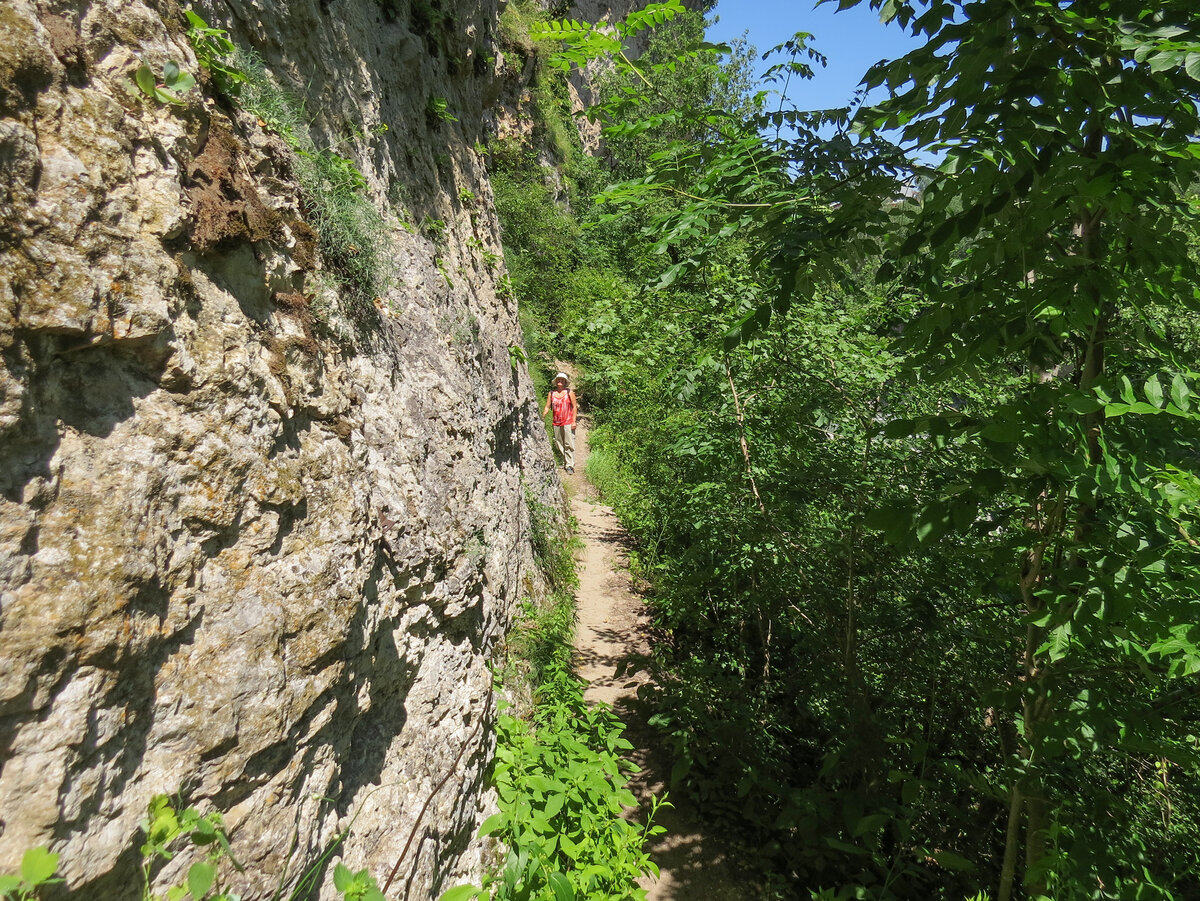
(613, 636)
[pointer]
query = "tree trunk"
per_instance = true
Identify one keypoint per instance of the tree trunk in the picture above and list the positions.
(1012, 841)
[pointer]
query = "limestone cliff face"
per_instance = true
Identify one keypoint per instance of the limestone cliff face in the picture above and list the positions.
(238, 556)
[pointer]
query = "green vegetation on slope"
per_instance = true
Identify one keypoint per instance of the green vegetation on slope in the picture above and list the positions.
(351, 232)
(913, 479)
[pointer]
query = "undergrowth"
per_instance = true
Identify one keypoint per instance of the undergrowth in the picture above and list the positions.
(559, 774)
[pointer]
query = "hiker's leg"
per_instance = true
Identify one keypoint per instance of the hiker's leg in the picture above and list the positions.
(568, 447)
(560, 442)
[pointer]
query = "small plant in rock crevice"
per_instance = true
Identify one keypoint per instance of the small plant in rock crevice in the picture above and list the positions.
(433, 229)
(353, 234)
(437, 112)
(215, 52)
(169, 87)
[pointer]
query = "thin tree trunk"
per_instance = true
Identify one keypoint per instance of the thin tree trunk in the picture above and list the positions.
(741, 421)
(1012, 841)
(850, 647)
(1033, 709)
(1037, 833)
(1029, 796)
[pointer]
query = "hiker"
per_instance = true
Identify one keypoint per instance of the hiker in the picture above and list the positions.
(562, 399)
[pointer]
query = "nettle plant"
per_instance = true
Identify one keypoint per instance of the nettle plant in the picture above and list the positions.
(38, 866)
(164, 825)
(561, 787)
(360, 886)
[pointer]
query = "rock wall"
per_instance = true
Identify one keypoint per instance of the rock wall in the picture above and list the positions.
(580, 83)
(240, 556)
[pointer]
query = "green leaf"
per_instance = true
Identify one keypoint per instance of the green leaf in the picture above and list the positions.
(1082, 404)
(38, 865)
(204, 832)
(460, 893)
(845, 846)
(1003, 431)
(1154, 391)
(343, 878)
(569, 847)
(679, 770)
(1180, 393)
(146, 80)
(563, 891)
(200, 879)
(1192, 65)
(901, 428)
(952, 861)
(871, 823)
(491, 824)
(553, 805)
(8, 883)
(184, 83)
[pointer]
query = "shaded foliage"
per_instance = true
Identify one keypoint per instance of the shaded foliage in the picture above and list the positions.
(913, 474)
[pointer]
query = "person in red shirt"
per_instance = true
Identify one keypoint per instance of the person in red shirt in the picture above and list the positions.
(562, 400)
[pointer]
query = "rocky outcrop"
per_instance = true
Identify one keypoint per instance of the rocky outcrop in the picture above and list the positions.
(244, 555)
(581, 83)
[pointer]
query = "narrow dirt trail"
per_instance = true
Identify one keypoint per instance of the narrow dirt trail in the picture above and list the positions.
(612, 631)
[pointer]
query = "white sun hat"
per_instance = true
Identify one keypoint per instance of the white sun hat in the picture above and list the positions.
(563, 376)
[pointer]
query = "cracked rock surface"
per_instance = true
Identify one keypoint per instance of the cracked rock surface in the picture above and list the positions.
(242, 555)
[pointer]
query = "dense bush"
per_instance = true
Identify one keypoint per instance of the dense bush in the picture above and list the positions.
(914, 483)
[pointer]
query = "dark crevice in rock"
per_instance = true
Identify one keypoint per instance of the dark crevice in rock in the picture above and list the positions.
(290, 514)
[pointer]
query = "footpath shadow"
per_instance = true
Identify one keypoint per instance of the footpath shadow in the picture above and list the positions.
(695, 865)
(612, 653)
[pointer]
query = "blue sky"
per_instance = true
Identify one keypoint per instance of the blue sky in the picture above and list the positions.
(852, 40)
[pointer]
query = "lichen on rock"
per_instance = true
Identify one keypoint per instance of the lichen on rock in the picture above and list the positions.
(240, 558)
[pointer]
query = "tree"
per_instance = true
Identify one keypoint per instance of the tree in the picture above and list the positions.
(1041, 452)
(1056, 222)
